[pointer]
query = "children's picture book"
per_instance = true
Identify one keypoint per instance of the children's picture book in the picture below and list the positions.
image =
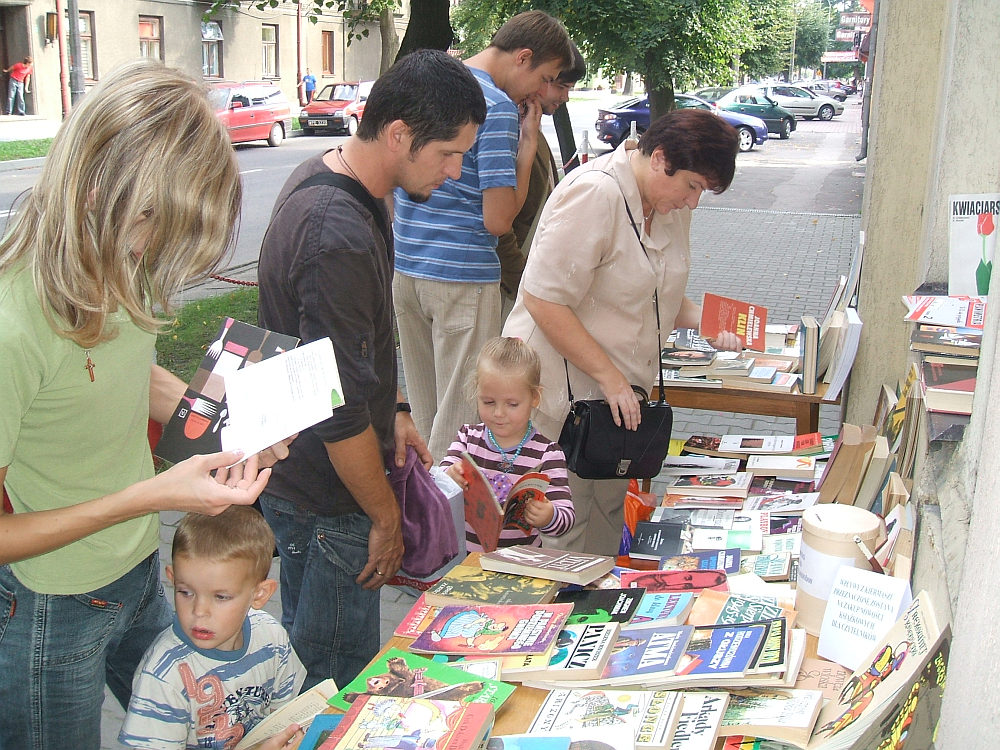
(679, 466)
(196, 425)
(715, 485)
(471, 584)
(493, 629)
(673, 580)
(773, 713)
(699, 719)
(483, 511)
(659, 608)
(402, 674)
(300, 710)
(581, 653)
(384, 721)
(414, 622)
(600, 605)
(556, 565)
(727, 560)
(655, 539)
(599, 738)
(746, 319)
(787, 467)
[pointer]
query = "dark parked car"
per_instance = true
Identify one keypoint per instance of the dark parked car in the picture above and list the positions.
(338, 107)
(613, 125)
(754, 102)
(252, 111)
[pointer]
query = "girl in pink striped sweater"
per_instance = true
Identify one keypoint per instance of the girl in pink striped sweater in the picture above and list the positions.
(506, 445)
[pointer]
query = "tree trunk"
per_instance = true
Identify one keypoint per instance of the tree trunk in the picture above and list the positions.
(390, 41)
(627, 87)
(429, 27)
(661, 101)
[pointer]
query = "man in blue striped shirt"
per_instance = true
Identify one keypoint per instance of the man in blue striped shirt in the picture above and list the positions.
(447, 282)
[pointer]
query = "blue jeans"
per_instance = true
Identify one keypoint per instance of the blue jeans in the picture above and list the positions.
(15, 90)
(333, 622)
(57, 652)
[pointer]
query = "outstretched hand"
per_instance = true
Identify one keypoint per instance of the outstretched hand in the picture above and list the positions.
(190, 486)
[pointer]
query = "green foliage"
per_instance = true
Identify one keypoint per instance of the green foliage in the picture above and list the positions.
(181, 345)
(10, 150)
(814, 28)
(773, 25)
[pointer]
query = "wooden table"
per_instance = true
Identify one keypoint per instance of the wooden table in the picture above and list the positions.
(804, 409)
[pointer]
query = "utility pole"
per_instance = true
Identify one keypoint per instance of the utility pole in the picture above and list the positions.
(76, 89)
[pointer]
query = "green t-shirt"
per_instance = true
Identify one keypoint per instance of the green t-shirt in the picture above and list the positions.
(66, 439)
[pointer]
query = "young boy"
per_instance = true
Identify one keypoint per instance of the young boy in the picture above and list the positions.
(224, 664)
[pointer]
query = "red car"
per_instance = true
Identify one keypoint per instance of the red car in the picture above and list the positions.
(252, 111)
(338, 107)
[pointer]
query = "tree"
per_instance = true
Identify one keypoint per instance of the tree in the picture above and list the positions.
(813, 31)
(772, 28)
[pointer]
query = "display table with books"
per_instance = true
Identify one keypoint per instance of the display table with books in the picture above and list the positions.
(803, 408)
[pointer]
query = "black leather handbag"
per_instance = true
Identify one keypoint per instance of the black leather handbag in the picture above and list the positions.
(597, 448)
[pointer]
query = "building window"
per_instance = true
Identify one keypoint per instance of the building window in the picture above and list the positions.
(328, 39)
(87, 51)
(150, 39)
(269, 50)
(211, 49)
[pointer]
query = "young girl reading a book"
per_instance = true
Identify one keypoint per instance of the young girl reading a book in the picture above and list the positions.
(505, 445)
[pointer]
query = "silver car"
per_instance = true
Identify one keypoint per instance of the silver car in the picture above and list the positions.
(803, 102)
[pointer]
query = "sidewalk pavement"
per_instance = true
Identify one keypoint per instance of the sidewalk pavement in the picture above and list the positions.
(27, 127)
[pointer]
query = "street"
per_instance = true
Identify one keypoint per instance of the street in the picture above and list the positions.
(812, 172)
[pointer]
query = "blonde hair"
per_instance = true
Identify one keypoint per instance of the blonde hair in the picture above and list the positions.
(238, 533)
(510, 357)
(144, 168)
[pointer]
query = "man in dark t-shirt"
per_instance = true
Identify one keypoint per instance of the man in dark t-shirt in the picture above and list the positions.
(326, 269)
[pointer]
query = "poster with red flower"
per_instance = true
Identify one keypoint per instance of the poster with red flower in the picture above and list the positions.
(972, 237)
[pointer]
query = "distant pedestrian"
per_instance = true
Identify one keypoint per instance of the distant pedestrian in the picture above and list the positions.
(309, 80)
(20, 77)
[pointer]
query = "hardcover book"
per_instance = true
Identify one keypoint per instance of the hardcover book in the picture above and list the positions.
(470, 584)
(402, 674)
(601, 605)
(745, 319)
(488, 629)
(483, 511)
(196, 424)
(567, 567)
(384, 721)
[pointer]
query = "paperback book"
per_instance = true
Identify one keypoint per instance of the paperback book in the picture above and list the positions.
(694, 502)
(789, 504)
(581, 653)
(673, 580)
(402, 674)
(678, 466)
(601, 605)
(713, 485)
(712, 518)
(699, 720)
(748, 444)
(708, 445)
(722, 651)
(786, 467)
(745, 319)
(493, 629)
(661, 608)
(653, 540)
(300, 710)
(567, 567)
(773, 713)
(726, 560)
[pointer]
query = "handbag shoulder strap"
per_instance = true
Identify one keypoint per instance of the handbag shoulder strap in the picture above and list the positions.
(351, 186)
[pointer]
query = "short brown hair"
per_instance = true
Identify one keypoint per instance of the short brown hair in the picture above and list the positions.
(238, 533)
(539, 32)
(697, 141)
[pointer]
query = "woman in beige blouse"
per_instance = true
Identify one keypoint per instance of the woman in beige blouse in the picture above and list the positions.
(587, 290)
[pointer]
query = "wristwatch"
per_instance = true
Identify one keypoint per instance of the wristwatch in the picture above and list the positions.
(403, 406)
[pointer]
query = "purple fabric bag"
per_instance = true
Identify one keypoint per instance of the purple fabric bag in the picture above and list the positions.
(428, 528)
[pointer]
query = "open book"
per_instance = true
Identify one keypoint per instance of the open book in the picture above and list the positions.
(300, 710)
(483, 511)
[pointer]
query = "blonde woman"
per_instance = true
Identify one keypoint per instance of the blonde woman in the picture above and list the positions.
(139, 193)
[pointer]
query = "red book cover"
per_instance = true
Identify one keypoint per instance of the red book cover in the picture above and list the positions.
(745, 319)
(656, 581)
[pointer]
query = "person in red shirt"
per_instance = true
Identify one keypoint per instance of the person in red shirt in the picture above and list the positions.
(20, 74)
